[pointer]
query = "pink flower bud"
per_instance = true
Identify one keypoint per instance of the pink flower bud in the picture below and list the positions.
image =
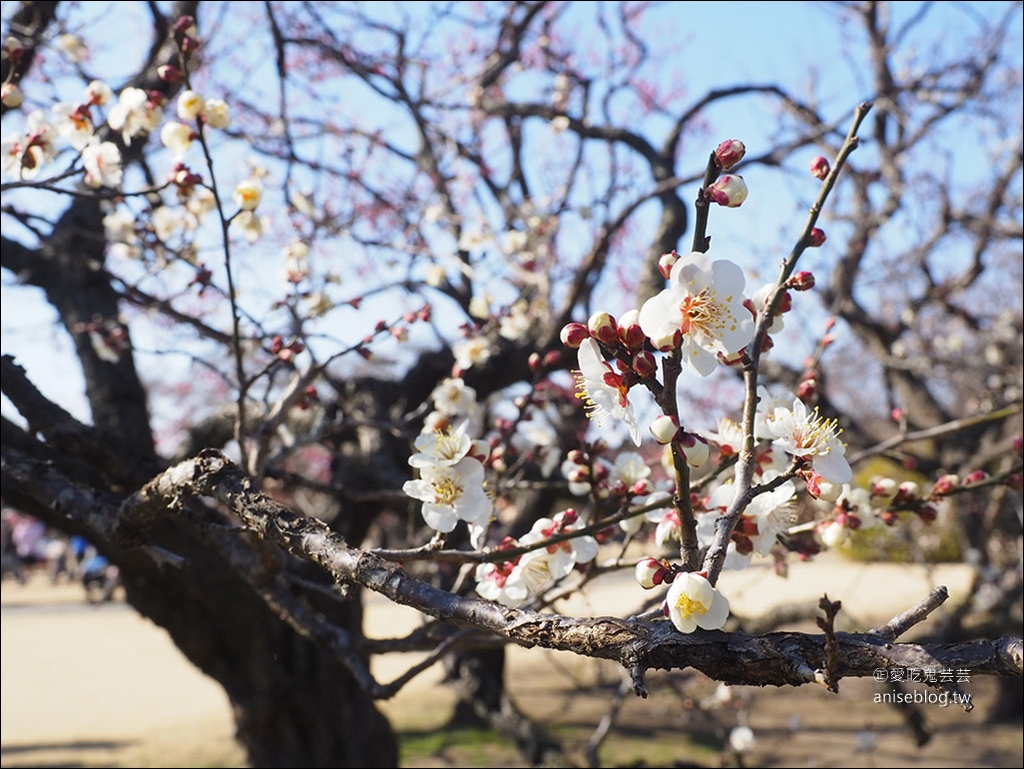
(666, 262)
(534, 362)
(642, 488)
(907, 492)
(551, 359)
(816, 238)
(644, 364)
(650, 572)
(976, 477)
(946, 485)
(802, 281)
(927, 512)
(883, 487)
(574, 334)
(729, 153)
(807, 389)
(665, 428)
(630, 333)
(603, 328)
(728, 190)
(820, 167)
(577, 457)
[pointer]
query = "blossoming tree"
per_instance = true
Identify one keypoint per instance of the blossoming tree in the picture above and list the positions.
(393, 257)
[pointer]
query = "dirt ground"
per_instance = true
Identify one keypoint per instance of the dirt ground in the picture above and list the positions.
(98, 685)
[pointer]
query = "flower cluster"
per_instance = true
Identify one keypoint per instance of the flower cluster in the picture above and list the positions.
(531, 574)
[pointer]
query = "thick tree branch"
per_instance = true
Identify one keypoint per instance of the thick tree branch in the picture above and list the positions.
(776, 659)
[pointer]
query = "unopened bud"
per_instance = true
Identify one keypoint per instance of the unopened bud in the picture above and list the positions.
(665, 428)
(946, 485)
(666, 262)
(728, 190)
(802, 281)
(170, 74)
(694, 448)
(650, 572)
(976, 477)
(11, 95)
(820, 167)
(551, 359)
(908, 491)
(603, 328)
(13, 49)
(642, 488)
(927, 512)
(816, 238)
(644, 364)
(807, 389)
(574, 334)
(577, 457)
(480, 450)
(833, 533)
(534, 362)
(630, 333)
(729, 153)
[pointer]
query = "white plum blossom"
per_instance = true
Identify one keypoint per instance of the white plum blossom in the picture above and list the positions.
(766, 516)
(808, 435)
(701, 311)
(177, 137)
(500, 582)
(741, 739)
(248, 194)
(451, 493)
(190, 105)
(453, 397)
(216, 113)
(669, 526)
(102, 163)
(603, 391)
(133, 114)
(441, 447)
(73, 123)
(693, 603)
(563, 555)
(474, 351)
(24, 156)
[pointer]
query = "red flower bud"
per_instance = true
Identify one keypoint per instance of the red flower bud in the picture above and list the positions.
(802, 281)
(729, 153)
(816, 238)
(820, 167)
(574, 334)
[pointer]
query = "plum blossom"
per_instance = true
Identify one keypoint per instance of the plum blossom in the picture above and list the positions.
(134, 114)
(502, 583)
(451, 493)
(603, 391)
(441, 447)
(216, 113)
(767, 516)
(563, 555)
(474, 351)
(701, 311)
(808, 435)
(102, 161)
(692, 602)
(669, 527)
